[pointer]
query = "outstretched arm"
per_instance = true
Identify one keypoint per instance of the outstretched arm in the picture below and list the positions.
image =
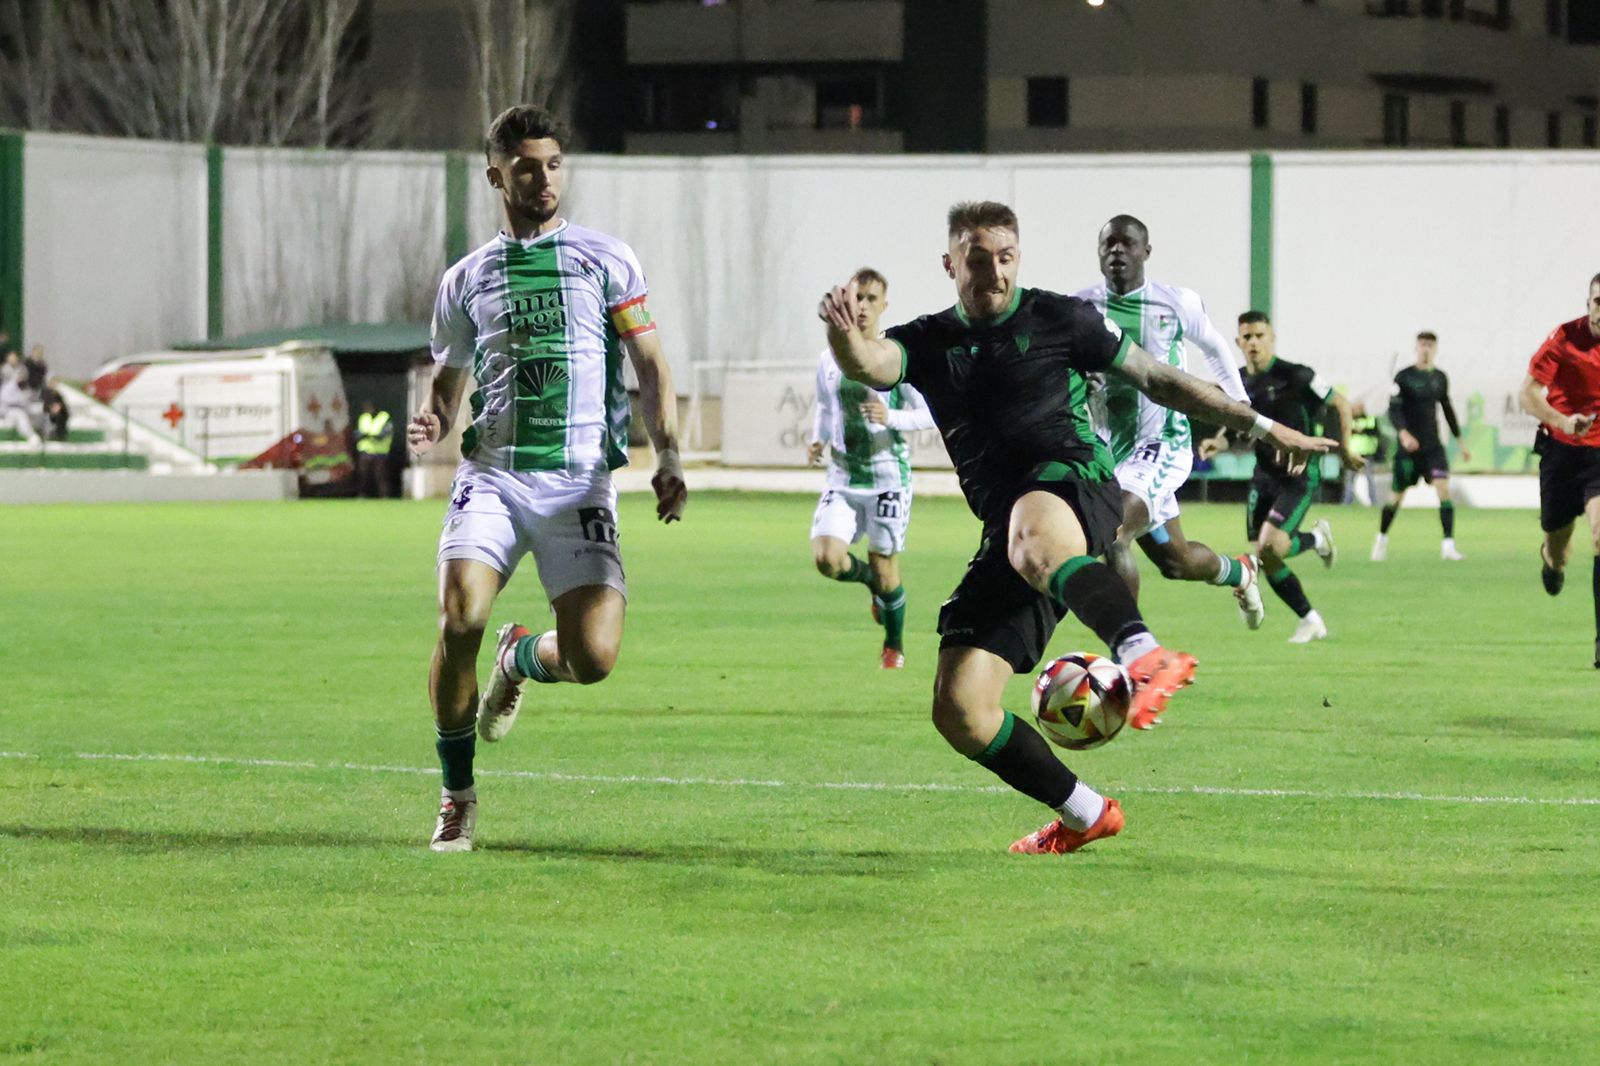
(1171, 387)
(869, 360)
(1347, 453)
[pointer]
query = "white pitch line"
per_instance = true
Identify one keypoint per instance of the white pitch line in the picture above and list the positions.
(836, 786)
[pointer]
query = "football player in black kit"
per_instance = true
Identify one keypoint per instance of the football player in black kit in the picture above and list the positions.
(1281, 490)
(1004, 372)
(1420, 391)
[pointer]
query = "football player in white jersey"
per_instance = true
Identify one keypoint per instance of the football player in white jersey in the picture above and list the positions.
(868, 491)
(1151, 444)
(539, 319)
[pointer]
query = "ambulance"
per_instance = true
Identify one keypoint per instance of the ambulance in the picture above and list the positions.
(254, 408)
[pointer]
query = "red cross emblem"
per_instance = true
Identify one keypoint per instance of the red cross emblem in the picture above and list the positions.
(314, 407)
(173, 414)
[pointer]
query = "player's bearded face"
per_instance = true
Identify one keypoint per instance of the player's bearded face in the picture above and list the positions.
(531, 181)
(984, 264)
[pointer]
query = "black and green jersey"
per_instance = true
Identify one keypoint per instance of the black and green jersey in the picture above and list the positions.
(1011, 395)
(1290, 394)
(1418, 394)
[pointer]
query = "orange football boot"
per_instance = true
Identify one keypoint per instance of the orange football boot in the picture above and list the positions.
(893, 659)
(1157, 675)
(1057, 839)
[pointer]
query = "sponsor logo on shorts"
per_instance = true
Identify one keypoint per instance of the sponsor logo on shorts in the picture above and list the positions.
(599, 524)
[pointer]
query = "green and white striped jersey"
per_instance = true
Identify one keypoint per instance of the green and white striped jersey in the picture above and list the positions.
(1159, 318)
(865, 454)
(540, 322)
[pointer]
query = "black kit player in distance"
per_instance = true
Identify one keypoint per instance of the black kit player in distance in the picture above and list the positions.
(1420, 392)
(1005, 373)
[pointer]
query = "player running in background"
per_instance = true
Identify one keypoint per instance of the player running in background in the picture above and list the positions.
(539, 319)
(1562, 390)
(1005, 372)
(1151, 445)
(1419, 392)
(868, 491)
(1281, 490)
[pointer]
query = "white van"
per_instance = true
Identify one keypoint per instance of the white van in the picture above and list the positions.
(281, 407)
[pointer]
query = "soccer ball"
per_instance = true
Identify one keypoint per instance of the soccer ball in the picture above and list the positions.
(1081, 700)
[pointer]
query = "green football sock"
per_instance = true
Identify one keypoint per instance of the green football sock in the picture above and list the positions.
(892, 609)
(1230, 573)
(1301, 542)
(858, 571)
(456, 748)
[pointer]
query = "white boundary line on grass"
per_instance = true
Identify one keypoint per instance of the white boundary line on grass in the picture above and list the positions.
(837, 786)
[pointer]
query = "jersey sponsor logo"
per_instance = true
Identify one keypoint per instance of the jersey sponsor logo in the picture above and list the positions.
(1112, 328)
(538, 314)
(1024, 340)
(538, 375)
(460, 498)
(599, 524)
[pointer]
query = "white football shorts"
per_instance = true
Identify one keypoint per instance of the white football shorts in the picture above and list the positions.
(567, 521)
(850, 514)
(1154, 472)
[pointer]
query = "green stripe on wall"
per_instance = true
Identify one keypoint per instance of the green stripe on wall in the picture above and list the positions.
(214, 209)
(11, 236)
(455, 208)
(1261, 233)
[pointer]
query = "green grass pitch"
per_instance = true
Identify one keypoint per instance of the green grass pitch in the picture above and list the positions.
(749, 845)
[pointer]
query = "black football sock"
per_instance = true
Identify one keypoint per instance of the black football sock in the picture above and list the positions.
(1092, 590)
(456, 748)
(1447, 518)
(1389, 511)
(1021, 758)
(1301, 542)
(1287, 586)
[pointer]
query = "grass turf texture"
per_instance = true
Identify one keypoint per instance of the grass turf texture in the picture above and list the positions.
(216, 911)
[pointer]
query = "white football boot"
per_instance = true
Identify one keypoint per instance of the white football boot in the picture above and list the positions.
(1447, 551)
(1326, 550)
(457, 821)
(1380, 548)
(1248, 595)
(1311, 628)
(502, 697)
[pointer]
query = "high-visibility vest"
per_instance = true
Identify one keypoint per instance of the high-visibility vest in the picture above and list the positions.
(374, 433)
(1364, 436)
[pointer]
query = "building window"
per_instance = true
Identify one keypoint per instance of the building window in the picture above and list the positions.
(1502, 126)
(848, 103)
(1396, 119)
(1047, 101)
(1458, 123)
(1433, 9)
(1552, 129)
(1591, 130)
(1308, 107)
(1259, 112)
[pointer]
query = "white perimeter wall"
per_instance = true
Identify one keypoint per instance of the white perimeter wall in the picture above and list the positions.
(314, 237)
(1491, 250)
(739, 250)
(114, 246)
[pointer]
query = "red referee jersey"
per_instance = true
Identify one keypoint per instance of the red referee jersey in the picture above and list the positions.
(1568, 365)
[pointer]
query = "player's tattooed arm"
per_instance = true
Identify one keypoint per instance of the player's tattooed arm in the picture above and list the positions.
(429, 425)
(1535, 403)
(869, 360)
(1171, 387)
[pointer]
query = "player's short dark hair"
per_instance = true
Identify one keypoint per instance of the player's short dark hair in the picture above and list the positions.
(1130, 222)
(867, 275)
(982, 214)
(1427, 335)
(1594, 281)
(1254, 316)
(522, 122)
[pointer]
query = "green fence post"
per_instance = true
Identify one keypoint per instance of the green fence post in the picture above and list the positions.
(1261, 233)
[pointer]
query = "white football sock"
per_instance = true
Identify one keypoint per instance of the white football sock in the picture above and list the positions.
(1083, 807)
(1135, 646)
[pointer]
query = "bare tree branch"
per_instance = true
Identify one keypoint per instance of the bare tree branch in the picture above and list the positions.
(519, 51)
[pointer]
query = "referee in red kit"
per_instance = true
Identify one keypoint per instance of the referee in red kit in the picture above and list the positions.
(1562, 390)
